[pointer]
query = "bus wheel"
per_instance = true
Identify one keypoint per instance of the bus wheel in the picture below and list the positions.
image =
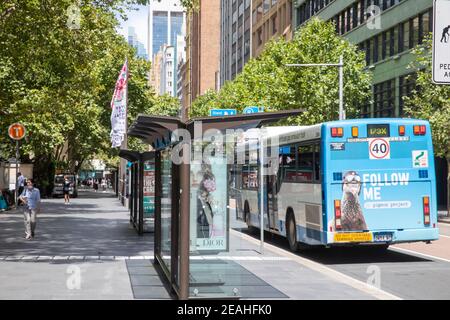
(291, 233)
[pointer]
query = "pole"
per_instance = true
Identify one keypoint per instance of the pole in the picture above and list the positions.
(261, 186)
(17, 170)
(341, 88)
(340, 65)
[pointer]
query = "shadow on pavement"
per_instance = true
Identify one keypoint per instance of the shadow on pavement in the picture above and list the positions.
(340, 255)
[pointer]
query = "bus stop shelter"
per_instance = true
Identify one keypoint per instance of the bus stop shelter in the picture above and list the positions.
(192, 219)
(142, 172)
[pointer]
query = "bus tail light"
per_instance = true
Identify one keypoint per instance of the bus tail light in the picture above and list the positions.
(337, 132)
(337, 214)
(354, 132)
(426, 210)
(420, 130)
(401, 130)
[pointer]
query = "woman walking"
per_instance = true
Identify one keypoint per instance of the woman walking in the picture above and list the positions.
(66, 190)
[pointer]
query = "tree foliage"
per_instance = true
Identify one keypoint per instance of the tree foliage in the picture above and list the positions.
(58, 81)
(430, 101)
(267, 81)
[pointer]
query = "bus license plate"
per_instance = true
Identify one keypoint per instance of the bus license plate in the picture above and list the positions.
(382, 237)
(353, 237)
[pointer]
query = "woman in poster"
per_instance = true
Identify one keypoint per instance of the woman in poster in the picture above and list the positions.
(205, 201)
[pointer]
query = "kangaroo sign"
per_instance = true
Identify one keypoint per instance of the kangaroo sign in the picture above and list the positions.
(16, 131)
(441, 42)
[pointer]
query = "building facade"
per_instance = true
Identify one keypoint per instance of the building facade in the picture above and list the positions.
(270, 19)
(167, 84)
(155, 72)
(202, 51)
(135, 43)
(165, 21)
(387, 31)
(235, 37)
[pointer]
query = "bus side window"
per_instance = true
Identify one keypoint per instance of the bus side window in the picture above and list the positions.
(316, 162)
(288, 165)
(305, 164)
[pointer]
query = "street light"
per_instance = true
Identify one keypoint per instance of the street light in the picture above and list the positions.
(340, 65)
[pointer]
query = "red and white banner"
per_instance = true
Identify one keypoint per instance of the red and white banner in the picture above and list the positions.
(119, 108)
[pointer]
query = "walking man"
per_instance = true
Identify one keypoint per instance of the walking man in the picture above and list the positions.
(31, 197)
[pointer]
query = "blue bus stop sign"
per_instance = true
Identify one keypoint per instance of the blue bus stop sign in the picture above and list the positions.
(253, 109)
(222, 112)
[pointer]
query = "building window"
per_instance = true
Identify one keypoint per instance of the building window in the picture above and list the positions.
(407, 84)
(274, 24)
(259, 37)
(384, 96)
(266, 6)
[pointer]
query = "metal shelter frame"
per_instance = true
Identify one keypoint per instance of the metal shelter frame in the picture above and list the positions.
(157, 132)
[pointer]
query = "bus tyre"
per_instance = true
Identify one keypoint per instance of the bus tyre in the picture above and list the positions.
(291, 233)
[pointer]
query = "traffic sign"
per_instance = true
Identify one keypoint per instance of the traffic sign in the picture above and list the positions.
(441, 42)
(253, 109)
(379, 149)
(222, 112)
(16, 131)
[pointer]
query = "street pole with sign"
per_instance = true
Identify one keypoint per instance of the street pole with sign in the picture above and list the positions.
(16, 132)
(340, 65)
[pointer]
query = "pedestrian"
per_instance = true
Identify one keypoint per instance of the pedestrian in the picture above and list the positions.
(20, 183)
(31, 198)
(104, 184)
(95, 185)
(66, 190)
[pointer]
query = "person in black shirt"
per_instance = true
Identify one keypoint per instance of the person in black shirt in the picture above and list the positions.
(66, 190)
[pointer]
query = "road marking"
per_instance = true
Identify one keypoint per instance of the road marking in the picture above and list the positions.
(417, 252)
(331, 273)
(441, 235)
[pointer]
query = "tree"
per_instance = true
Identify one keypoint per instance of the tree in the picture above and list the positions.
(267, 81)
(58, 81)
(432, 102)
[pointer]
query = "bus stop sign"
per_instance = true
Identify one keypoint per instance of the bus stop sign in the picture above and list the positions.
(16, 131)
(441, 42)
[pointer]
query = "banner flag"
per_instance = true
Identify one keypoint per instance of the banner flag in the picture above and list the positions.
(119, 108)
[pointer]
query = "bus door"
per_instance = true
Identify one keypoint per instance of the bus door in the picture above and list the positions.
(271, 180)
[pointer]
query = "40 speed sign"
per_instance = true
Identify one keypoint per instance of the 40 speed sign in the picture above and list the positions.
(379, 148)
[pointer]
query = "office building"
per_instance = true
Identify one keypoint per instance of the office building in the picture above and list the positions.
(165, 20)
(270, 19)
(138, 45)
(203, 51)
(167, 84)
(235, 37)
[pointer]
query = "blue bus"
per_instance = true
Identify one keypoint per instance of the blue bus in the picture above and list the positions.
(350, 182)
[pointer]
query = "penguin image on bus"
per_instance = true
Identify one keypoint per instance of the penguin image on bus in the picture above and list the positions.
(352, 214)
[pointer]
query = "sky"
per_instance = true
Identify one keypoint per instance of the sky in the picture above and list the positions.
(137, 19)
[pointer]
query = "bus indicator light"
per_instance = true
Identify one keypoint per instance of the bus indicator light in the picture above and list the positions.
(423, 130)
(420, 130)
(354, 132)
(401, 130)
(337, 132)
(426, 210)
(337, 214)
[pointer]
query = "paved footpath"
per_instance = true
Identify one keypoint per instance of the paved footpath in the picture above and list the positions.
(91, 237)
(88, 250)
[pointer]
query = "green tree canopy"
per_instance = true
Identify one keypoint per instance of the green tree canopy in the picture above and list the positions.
(267, 81)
